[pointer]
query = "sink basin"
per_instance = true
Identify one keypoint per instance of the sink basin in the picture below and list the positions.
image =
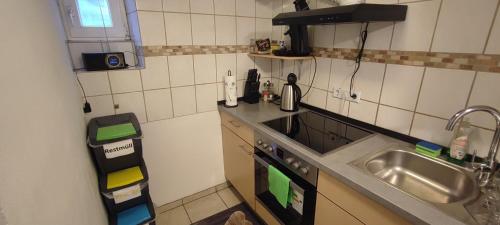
(429, 179)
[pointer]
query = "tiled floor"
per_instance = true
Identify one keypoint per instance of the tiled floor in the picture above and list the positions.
(194, 209)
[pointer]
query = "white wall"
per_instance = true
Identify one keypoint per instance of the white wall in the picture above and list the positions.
(46, 173)
(183, 155)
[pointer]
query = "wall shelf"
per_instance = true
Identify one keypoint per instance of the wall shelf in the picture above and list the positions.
(82, 70)
(271, 56)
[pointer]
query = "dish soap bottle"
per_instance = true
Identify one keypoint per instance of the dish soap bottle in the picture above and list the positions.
(460, 143)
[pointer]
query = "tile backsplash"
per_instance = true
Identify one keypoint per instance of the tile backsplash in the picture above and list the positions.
(416, 73)
(190, 45)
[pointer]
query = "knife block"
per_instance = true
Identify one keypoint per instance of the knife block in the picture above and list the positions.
(251, 93)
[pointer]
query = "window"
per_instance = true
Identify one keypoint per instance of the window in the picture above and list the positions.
(96, 26)
(94, 13)
(95, 19)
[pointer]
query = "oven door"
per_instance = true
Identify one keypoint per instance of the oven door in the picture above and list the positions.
(301, 210)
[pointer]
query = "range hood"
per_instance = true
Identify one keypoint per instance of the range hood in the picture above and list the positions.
(343, 14)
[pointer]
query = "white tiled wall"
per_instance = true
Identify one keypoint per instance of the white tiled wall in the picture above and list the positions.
(181, 70)
(158, 104)
(125, 81)
(205, 69)
(408, 99)
(465, 19)
(152, 28)
(175, 97)
(415, 34)
(168, 87)
(184, 100)
(156, 74)
(131, 102)
(95, 83)
(182, 85)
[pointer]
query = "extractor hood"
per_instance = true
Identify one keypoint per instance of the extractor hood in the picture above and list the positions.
(343, 14)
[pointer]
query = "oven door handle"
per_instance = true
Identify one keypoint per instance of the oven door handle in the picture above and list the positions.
(266, 165)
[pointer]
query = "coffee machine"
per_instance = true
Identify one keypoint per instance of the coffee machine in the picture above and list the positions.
(299, 38)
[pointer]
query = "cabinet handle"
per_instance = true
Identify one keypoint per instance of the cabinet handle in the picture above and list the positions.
(244, 149)
(234, 123)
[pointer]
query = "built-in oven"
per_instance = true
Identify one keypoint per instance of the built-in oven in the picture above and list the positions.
(303, 180)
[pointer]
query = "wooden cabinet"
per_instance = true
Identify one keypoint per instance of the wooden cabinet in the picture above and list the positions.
(238, 127)
(328, 213)
(336, 202)
(356, 204)
(265, 215)
(239, 165)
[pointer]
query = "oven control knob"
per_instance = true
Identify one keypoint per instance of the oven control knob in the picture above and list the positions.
(259, 142)
(270, 149)
(304, 170)
(289, 160)
(296, 165)
(265, 145)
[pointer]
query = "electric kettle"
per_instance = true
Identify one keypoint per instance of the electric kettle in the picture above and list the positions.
(290, 95)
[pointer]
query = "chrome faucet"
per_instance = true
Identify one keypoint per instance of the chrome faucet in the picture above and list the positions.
(489, 166)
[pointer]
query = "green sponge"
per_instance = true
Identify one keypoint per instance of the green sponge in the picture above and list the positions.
(428, 149)
(115, 131)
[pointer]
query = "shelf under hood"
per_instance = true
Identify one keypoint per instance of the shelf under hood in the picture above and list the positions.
(343, 14)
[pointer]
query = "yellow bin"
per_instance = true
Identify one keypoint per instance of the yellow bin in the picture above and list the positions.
(124, 177)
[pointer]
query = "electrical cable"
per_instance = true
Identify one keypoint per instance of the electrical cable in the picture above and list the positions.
(136, 58)
(86, 106)
(104, 25)
(314, 75)
(359, 57)
(81, 87)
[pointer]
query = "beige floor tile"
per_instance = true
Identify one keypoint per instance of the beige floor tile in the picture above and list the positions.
(222, 186)
(198, 195)
(176, 216)
(168, 206)
(230, 197)
(205, 207)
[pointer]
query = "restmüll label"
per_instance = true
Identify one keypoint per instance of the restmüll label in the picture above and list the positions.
(117, 149)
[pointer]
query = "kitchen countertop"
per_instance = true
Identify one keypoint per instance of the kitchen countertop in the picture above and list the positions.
(337, 165)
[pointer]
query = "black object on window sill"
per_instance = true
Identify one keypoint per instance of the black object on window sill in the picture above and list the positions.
(104, 61)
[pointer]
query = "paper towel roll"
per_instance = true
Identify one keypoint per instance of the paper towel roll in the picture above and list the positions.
(230, 87)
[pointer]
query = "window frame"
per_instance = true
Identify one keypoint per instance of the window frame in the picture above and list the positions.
(75, 31)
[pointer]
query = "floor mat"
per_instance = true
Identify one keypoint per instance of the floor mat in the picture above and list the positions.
(222, 217)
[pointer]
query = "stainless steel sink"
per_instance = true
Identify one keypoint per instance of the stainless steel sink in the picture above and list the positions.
(428, 179)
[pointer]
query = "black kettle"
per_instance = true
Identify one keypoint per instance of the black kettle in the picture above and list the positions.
(290, 95)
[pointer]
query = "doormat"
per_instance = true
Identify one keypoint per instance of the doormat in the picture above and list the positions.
(222, 217)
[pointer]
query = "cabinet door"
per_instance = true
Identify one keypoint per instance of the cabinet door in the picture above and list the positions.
(366, 210)
(327, 213)
(239, 165)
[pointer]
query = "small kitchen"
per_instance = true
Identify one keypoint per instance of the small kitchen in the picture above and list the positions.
(250, 112)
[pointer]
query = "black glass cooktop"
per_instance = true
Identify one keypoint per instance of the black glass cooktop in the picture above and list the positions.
(318, 132)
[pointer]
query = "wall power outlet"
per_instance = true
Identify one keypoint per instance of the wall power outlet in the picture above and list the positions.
(344, 94)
